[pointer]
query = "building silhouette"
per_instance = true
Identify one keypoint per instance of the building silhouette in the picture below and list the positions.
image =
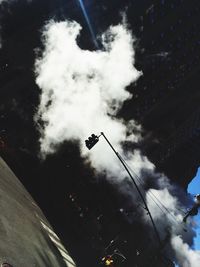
(165, 102)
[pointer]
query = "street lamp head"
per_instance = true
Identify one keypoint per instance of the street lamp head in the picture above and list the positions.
(91, 141)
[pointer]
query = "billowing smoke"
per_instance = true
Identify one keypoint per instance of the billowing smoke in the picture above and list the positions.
(185, 256)
(81, 93)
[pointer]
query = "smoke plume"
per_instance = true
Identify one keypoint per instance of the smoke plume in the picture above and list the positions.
(185, 256)
(81, 93)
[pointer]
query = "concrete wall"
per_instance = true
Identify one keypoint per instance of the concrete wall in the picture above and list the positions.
(26, 238)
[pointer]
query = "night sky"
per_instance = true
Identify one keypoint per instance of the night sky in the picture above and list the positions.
(86, 207)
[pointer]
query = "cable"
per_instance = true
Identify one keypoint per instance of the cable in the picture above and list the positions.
(141, 183)
(138, 190)
(150, 193)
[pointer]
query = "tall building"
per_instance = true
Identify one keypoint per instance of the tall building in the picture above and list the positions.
(165, 102)
(166, 98)
(27, 238)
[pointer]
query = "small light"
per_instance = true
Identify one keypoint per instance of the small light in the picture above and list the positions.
(108, 262)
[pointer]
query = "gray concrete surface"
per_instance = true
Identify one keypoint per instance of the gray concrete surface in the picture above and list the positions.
(26, 237)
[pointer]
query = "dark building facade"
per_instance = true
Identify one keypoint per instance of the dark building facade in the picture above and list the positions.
(165, 102)
(166, 98)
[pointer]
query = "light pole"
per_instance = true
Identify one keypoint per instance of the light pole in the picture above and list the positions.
(90, 143)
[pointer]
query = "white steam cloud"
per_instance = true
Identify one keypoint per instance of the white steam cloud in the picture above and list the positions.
(81, 93)
(83, 90)
(186, 257)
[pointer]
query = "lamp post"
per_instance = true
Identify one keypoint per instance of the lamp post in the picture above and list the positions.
(90, 143)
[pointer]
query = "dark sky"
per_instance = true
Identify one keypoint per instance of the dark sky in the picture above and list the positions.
(85, 210)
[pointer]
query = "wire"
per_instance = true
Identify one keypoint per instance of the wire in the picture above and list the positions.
(167, 211)
(138, 190)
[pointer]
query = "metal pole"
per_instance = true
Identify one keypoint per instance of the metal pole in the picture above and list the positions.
(139, 192)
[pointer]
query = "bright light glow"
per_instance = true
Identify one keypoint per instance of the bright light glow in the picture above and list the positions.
(108, 262)
(88, 23)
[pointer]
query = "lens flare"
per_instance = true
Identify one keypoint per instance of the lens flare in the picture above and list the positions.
(88, 23)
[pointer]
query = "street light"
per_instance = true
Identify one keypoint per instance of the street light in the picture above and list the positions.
(90, 142)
